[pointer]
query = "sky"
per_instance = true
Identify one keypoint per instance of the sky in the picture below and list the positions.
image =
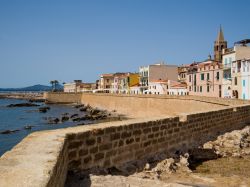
(43, 40)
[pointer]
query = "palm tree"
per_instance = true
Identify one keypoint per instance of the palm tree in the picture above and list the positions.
(52, 82)
(56, 82)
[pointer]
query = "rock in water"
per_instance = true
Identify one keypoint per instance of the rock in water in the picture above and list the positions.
(53, 121)
(28, 127)
(9, 131)
(44, 109)
(74, 115)
(22, 105)
(37, 100)
(64, 118)
(80, 124)
(79, 106)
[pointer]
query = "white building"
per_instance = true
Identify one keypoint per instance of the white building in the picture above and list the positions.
(245, 76)
(135, 90)
(227, 59)
(78, 86)
(154, 72)
(236, 83)
(177, 88)
(157, 87)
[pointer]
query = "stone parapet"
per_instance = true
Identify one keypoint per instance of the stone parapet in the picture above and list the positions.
(44, 158)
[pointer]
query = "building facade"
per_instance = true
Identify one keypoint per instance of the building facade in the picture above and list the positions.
(156, 72)
(240, 69)
(157, 87)
(182, 73)
(105, 83)
(205, 79)
(177, 89)
(79, 86)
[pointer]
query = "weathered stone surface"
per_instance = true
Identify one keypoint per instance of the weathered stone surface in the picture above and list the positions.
(235, 143)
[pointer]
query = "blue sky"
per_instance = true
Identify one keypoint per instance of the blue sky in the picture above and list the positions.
(43, 40)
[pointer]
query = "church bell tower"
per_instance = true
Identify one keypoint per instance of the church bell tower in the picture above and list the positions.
(219, 45)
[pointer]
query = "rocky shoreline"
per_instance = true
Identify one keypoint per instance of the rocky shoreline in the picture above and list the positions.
(178, 169)
(83, 114)
(32, 96)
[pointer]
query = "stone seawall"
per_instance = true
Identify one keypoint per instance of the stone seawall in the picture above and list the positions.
(43, 158)
(145, 105)
(61, 97)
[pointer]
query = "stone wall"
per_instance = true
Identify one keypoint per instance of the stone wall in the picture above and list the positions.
(145, 105)
(115, 145)
(61, 97)
(43, 158)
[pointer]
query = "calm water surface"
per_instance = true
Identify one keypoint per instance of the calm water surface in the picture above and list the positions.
(18, 117)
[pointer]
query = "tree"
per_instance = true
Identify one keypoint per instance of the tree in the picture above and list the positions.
(52, 82)
(54, 85)
(56, 82)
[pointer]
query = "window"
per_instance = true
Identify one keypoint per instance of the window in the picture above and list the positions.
(207, 76)
(189, 88)
(244, 96)
(225, 61)
(235, 80)
(244, 83)
(200, 88)
(230, 60)
(189, 78)
(202, 76)
(195, 89)
(207, 88)
(218, 75)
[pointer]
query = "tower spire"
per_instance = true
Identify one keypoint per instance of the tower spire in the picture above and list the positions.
(220, 36)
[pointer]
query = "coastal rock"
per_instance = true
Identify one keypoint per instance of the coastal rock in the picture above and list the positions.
(73, 116)
(94, 111)
(22, 105)
(44, 109)
(80, 118)
(53, 121)
(64, 118)
(79, 106)
(80, 124)
(9, 131)
(36, 100)
(76, 119)
(83, 109)
(28, 127)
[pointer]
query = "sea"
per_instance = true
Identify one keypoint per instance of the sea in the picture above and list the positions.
(16, 118)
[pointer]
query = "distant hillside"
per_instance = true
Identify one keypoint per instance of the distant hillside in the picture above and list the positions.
(35, 88)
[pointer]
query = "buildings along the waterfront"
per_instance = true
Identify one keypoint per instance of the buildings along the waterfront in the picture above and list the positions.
(224, 74)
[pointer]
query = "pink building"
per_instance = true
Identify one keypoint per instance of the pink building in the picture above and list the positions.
(205, 78)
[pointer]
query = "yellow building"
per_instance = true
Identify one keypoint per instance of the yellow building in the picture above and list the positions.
(130, 80)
